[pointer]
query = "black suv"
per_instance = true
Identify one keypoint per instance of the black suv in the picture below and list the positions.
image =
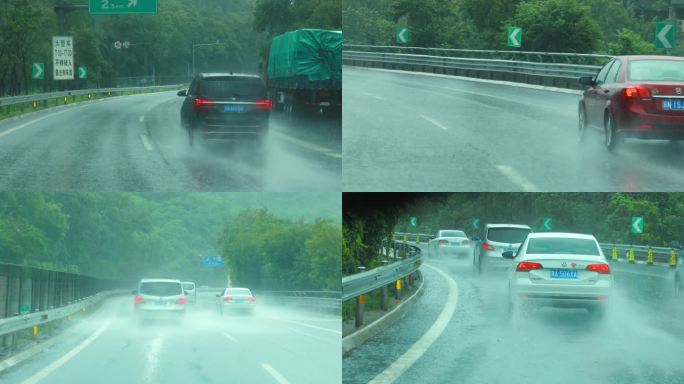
(225, 106)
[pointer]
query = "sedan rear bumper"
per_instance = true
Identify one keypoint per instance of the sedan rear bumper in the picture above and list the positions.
(637, 123)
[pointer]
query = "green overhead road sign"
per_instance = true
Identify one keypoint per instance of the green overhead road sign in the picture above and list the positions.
(665, 35)
(547, 224)
(118, 7)
(414, 221)
(82, 73)
(402, 35)
(38, 71)
(514, 37)
(637, 224)
(476, 223)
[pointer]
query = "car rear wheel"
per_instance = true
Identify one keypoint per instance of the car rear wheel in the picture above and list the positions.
(582, 123)
(611, 139)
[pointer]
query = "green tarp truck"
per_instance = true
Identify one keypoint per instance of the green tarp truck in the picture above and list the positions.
(305, 71)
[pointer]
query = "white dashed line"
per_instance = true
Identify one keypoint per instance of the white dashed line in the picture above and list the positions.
(229, 336)
(152, 364)
(279, 378)
(518, 179)
(434, 122)
(146, 142)
(375, 96)
(421, 346)
(312, 326)
(307, 145)
(65, 358)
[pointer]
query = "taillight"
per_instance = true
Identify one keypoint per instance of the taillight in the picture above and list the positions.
(227, 298)
(526, 266)
(199, 103)
(487, 247)
(442, 241)
(250, 299)
(637, 91)
(182, 300)
(263, 105)
(138, 299)
(603, 269)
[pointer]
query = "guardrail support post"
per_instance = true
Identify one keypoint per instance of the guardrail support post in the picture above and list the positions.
(649, 256)
(631, 254)
(383, 298)
(673, 259)
(615, 254)
(397, 290)
(360, 302)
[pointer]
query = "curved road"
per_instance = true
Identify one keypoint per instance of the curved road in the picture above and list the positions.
(135, 143)
(641, 341)
(406, 131)
(276, 346)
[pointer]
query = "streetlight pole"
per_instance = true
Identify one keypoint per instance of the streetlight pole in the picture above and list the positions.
(193, 53)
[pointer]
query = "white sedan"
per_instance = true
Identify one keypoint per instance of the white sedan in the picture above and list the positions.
(560, 270)
(449, 241)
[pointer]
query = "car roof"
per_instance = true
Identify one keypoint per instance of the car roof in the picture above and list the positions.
(566, 235)
(227, 74)
(239, 288)
(453, 230)
(650, 57)
(147, 280)
(188, 282)
(508, 226)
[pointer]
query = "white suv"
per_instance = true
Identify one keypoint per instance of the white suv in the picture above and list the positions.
(160, 299)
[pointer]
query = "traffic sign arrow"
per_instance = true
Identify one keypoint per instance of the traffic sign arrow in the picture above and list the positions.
(514, 36)
(547, 224)
(38, 71)
(637, 224)
(132, 3)
(402, 35)
(665, 35)
(82, 72)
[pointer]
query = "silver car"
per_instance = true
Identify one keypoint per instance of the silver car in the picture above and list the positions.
(236, 300)
(159, 299)
(449, 241)
(190, 291)
(496, 239)
(560, 270)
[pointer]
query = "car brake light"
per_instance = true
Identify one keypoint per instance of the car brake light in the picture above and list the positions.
(138, 299)
(526, 266)
(603, 269)
(487, 247)
(637, 91)
(263, 105)
(182, 300)
(442, 241)
(227, 298)
(203, 103)
(251, 299)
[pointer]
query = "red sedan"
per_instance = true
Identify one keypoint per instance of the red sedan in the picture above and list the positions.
(637, 97)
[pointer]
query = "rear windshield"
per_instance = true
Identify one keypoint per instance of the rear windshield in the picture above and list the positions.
(563, 245)
(507, 235)
(656, 70)
(452, 234)
(238, 291)
(161, 288)
(250, 88)
(188, 286)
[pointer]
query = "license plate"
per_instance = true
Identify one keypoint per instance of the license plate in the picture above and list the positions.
(233, 108)
(673, 105)
(563, 273)
(160, 303)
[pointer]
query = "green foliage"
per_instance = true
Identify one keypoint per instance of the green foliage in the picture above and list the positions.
(278, 16)
(556, 26)
(630, 43)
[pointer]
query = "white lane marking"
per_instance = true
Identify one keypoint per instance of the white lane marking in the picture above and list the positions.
(18, 127)
(307, 145)
(434, 122)
(152, 358)
(312, 326)
(229, 336)
(142, 118)
(518, 179)
(64, 359)
(146, 142)
(279, 378)
(421, 346)
(375, 96)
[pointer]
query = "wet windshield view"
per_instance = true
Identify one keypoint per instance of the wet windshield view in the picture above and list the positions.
(592, 296)
(105, 95)
(513, 95)
(170, 288)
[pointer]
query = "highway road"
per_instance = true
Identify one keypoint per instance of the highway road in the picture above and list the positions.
(275, 345)
(640, 341)
(136, 143)
(406, 131)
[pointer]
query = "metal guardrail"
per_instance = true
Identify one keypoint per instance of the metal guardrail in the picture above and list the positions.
(545, 68)
(12, 100)
(17, 323)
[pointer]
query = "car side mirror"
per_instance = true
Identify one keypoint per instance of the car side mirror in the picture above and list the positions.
(508, 255)
(182, 92)
(185, 293)
(135, 292)
(587, 81)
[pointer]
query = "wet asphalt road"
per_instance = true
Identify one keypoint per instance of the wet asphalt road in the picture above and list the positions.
(275, 345)
(135, 143)
(640, 341)
(411, 132)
